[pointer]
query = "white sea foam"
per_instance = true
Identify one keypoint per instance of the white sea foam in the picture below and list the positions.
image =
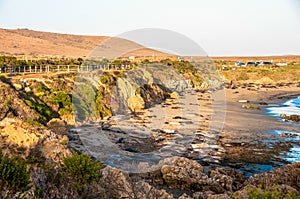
(290, 107)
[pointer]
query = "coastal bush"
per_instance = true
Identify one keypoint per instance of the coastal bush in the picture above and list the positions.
(106, 79)
(270, 193)
(14, 173)
(82, 169)
(33, 123)
(39, 88)
(64, 102)
(39, 106)
(101, 109)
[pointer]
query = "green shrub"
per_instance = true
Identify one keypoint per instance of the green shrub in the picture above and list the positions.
(82, 169)
(33, 123)
(273, 193)
(45, 113)
(38, 193)
(13, 173)
(101, 109)
(64, 101)
(106, 79)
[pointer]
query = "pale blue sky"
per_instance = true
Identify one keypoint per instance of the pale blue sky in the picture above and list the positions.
(220, 27)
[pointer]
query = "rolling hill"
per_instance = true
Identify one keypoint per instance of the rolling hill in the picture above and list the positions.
(37, 43)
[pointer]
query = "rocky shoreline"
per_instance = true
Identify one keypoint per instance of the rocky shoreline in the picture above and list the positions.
(241, 145)
(189, 157)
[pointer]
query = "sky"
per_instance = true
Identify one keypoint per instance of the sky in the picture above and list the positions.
(220, 27)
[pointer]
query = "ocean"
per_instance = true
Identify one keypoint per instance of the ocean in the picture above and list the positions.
(290, 107)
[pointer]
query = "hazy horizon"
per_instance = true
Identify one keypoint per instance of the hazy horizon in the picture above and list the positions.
(221, 28)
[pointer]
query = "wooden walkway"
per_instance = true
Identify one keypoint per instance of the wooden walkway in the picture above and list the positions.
(13, 70)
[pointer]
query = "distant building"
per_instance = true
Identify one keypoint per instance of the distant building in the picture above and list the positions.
(266, 63)
(241, 64)
(252, 63)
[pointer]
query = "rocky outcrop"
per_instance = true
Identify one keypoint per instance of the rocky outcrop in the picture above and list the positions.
(291, 118)
(145, 86)
(119, 185)
(12, 104)
(288, 175)
(182, 173)
(185, 174)
(222, 180)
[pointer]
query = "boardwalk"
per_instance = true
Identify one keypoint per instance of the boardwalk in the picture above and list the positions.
(60, 68)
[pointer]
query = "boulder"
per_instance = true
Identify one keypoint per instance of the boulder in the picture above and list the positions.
(58, 126)
(291, 118)
(136, 103)
(119, 185)
(182, 173)
(251, 106)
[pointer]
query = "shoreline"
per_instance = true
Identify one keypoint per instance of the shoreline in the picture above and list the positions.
(248, 135)
(240, 145)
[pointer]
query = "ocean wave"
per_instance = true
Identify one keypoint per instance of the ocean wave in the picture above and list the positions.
(290, 107)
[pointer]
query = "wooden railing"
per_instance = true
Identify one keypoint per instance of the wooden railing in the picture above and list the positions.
(60, 68)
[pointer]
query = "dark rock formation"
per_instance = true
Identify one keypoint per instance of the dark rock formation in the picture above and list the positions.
(291, 118)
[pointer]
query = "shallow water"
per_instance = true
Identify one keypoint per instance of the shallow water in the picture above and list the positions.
(289, 107)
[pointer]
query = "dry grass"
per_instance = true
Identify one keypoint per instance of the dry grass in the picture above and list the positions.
(36, 43)
(283, 74)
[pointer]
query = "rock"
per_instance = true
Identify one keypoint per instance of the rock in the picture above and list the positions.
(174, 95)
(291, 118)
(288, 135)
(58, 126)
(120, 186)
(182, 173)
(185, 196)
(117, 182)
(243, 101)
(132, 150)
(136, 103)
(145, 190)
(53, 148)
(228, 180)
(218, 196)
(251, 106)
(263, 103)
(243, 193)
(19, 133)
(234, 86)
(12, 104)
(286, 175)
(71, 137)
(27, 90)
